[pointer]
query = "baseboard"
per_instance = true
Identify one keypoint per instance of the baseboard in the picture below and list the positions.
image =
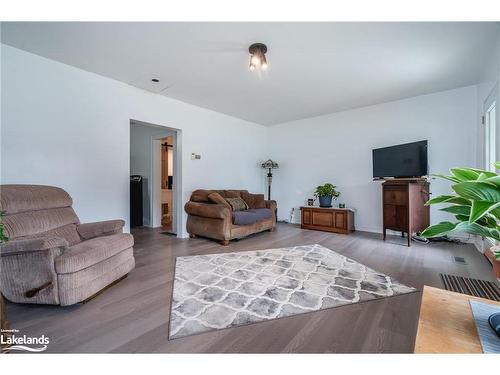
(463, 237)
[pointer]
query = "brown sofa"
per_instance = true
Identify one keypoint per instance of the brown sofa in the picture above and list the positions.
(209, 215)
(50, 257)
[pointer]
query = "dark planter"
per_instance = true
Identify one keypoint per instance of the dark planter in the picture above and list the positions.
(325, 201)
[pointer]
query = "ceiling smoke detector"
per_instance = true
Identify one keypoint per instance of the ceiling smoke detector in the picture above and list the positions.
(258, 56)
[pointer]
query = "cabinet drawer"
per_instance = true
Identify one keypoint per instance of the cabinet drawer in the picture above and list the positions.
(399, 197)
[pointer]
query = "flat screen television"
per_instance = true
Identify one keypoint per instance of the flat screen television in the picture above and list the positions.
(401, 161)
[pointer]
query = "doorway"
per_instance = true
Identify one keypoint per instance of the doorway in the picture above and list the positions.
(154, 166)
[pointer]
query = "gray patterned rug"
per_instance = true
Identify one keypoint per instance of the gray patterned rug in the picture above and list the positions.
(228, 290)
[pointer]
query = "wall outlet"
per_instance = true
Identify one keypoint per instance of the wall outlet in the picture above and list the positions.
(195, 156)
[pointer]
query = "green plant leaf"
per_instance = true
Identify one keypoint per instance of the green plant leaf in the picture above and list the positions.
(451, 178)
(481, 208)
(495, 213)
(487, 173)
(465, 174)
(482, 177)
(462, 217)
(438, 229)
(459, 200)
(479, 191)
(475, 228)
(439, 199)
(497, 165)
(457, 210)
(495, 180)
(487, 221)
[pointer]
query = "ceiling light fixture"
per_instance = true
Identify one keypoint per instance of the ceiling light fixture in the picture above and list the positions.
(258, 56)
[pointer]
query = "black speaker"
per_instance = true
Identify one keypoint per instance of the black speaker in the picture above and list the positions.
(136, 201)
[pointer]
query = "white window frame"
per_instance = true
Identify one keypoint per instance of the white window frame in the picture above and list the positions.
(491, 133)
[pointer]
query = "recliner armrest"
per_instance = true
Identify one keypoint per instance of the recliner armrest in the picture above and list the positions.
(24, 246)
(215, 211)
(100, 228)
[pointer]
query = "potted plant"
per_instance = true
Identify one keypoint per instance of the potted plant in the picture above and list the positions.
(326, 193)
(475, 204)
(3, 236)
(476, 207)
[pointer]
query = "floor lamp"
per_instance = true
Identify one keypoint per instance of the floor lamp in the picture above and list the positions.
(269, 165)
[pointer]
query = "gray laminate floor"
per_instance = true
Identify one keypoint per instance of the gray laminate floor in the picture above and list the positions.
(133, 316)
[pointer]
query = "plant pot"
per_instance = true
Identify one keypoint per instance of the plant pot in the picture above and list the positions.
(325, 201)
(490, 254)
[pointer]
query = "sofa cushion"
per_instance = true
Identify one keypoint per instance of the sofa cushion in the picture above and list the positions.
(90, 252)
(23, 198)
(32, 223)
(244, 217)
(232, 193)
(200, 195)
(261, 213)
(68, 232)
(251, 216)
(217, 199)
(254, 200)
(237, 204)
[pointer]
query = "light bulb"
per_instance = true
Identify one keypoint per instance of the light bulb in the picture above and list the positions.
(255, 60)
(263, 62)
(252, 67)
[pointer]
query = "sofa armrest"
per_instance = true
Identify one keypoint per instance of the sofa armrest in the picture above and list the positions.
(24, 246)
(271, 205)
(215, 211)
(100, 228)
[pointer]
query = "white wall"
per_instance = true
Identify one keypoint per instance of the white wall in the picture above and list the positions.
(488, 85)
(489, 78)
(67, 127)
(141, 161)
(337, 148)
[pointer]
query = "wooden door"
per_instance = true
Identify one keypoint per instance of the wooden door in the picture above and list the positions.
(322, 218)
(306, 217)
(340, 220)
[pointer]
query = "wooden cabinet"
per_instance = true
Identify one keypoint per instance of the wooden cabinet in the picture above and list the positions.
(404, 207)
(338, 220)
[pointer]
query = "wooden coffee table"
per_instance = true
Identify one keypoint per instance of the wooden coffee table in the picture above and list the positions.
(446, 323)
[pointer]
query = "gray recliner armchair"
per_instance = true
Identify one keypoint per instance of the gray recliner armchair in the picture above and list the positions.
(50, 257)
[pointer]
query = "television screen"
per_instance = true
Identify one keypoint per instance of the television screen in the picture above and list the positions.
(403, 161)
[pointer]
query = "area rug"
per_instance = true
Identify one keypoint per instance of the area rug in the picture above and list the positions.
(220, 291)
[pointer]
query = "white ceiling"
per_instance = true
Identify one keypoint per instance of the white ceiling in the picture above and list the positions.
(314, 68)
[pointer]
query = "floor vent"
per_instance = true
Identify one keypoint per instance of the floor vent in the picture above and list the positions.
(168, 233)
(460, 260)
(472, 287)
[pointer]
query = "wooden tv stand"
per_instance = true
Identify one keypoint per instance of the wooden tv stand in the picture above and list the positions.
(337, 220)
(404, 207)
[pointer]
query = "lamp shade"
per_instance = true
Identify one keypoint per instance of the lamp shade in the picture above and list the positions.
(270, 164)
